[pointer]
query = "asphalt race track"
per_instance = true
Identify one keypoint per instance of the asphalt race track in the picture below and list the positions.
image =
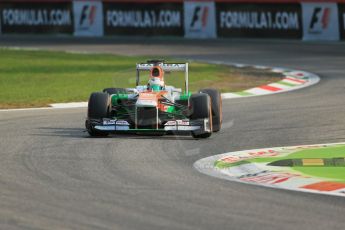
(53, 176)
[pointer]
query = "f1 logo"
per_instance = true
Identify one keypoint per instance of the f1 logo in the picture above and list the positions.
(87, 15)
(199, 18)
(320, 19)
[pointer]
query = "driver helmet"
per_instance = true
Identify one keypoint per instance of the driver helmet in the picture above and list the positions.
(156, 82)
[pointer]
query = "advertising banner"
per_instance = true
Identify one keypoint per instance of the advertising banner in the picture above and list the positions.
(341, 8)
(259, 20)
(199, 19)
(88, 18)
(320, 21)
(36, 17)
(143, 19)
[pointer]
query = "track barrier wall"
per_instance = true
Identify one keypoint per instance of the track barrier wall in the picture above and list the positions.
(36, 17)
(285, 19)
(259, 20)
(150, 19)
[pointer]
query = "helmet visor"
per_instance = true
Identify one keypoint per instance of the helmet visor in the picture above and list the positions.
(156, 87)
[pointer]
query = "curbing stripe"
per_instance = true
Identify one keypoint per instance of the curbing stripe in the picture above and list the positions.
(325, 186)
(295, 80)
(230, 95)
(294, 83)
(280, 85)
(286, 83)
(258, 91)
(270, 88)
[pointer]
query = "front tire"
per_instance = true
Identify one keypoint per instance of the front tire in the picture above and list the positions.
(217, 110)
(98, 108)
(202, 108)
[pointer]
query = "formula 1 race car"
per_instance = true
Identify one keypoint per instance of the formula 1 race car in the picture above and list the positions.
(155, 108)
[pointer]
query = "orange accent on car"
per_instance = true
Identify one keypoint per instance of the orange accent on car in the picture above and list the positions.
(157, 71)
(154, 96)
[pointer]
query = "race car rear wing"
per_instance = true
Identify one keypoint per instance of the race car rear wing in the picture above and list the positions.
(166, 67)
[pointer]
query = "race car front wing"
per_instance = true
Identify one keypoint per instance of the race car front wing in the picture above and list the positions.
(197, 126)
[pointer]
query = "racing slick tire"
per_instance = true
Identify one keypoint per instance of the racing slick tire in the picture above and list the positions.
(217, 110)
(98, 108)
(115, 91)
(202, 108)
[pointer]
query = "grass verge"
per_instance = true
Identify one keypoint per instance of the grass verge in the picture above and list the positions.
(38, 78)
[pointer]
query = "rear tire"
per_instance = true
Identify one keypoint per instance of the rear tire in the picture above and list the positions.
(111, 91)
(202, 108)
(98, 108)
(217, 110)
